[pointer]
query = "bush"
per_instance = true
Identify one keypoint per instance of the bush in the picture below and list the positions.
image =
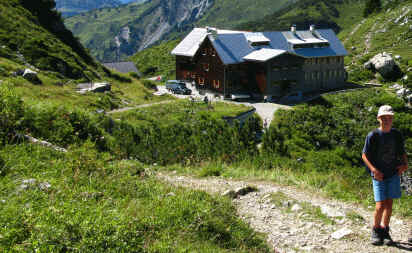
(149, 84)
(183, 141)
(359, 74)
(308, 132)
(60, 126)
(11, 113)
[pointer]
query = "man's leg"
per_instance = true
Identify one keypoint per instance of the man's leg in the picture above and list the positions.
(376, 238)
(387, 212)
(386, 217)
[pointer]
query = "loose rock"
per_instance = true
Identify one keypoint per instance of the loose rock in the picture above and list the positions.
(341, 233)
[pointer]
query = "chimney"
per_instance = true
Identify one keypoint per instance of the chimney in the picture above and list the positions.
(312, 28)
(293, 29)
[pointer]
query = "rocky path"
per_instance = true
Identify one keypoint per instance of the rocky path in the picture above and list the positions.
(296, 220)
(139, 106)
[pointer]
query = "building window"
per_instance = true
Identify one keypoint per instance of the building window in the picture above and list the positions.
(319, 75)
(193, 75)
(204, 51)
(206, 66)
(186, 74)
(213, 51)
(201, 81)
(216, 84)
(314, 75)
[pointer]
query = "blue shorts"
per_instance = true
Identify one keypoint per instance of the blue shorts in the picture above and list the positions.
(389, 188)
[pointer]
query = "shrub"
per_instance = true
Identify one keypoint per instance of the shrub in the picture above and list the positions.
(149, 84)
(341, 129)
(359, 74)
(11, 113)
(182, 141)
(61, 126)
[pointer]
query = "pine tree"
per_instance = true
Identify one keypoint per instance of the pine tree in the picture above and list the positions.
(372, 6)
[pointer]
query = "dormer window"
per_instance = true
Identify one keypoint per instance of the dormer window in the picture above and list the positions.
(204, 51)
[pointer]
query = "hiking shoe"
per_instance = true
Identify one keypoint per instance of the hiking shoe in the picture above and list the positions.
(376, 237)
(410, 236)
(387, 240)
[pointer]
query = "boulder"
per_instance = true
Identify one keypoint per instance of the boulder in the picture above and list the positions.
(31, 76)
(382, 63)
(396, 86)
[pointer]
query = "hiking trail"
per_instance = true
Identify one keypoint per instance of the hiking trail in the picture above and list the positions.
(296, 220)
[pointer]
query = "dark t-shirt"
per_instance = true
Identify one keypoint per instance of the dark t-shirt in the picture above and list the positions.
(384, 150)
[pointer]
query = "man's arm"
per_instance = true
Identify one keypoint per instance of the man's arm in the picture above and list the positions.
(404, 166)
(376, 173)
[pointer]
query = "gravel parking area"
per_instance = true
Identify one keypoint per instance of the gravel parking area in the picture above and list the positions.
(264, 110)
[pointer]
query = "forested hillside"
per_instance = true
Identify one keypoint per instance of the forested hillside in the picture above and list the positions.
(74, 7)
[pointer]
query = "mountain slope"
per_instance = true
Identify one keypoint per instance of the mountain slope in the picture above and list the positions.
(120, 32)
(322, 13)
(74, 7)
(33, 33)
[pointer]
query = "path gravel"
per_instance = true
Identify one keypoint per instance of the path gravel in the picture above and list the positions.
(292, 226)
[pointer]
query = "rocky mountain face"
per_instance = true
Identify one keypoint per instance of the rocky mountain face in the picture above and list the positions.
(74, 7)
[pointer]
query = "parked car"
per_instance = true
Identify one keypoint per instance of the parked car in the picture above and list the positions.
(170, 84)
(182, 90)
(178, 87)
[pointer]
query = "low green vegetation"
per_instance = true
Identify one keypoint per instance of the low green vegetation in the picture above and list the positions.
(34, 33)
(157, 60)
(89, 201)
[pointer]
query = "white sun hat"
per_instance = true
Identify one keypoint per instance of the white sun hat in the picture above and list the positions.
(385, 110)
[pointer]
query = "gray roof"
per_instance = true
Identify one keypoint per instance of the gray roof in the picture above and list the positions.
(236, 47)
(122, 67)
(191, 43)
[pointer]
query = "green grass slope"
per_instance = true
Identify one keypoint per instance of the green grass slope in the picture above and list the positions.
(98, 197)
(33, 33)
(157, 60)
(387, 31)
(33, 36)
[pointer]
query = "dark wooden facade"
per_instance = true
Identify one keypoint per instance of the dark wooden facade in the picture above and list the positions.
(205, 68)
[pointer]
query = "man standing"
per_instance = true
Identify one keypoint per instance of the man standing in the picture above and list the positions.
(384, 155)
